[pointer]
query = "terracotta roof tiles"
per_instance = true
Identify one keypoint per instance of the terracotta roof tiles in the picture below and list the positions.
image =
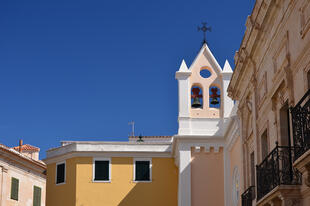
(27, 147)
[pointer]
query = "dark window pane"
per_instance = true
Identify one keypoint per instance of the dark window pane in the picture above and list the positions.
(36, 196)
(308, 76)
(252, 169)
(60, 173)
(264, 143)
(102, 170)
(142, 170)
(14, 188)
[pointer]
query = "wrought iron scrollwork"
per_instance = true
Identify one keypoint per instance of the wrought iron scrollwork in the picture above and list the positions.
(301, 125)
(248, 196)
(276, 169)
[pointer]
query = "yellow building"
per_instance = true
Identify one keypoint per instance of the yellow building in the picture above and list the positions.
(107, 173)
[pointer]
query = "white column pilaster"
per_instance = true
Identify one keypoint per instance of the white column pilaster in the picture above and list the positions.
(184, 99)
(227, 183)
(2, 185)
(184, 187)
(184, 94)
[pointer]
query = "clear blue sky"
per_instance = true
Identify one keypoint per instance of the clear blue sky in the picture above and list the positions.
(81, 70)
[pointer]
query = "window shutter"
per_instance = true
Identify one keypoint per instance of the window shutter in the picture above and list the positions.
(102, 170)
(36, 196)
(60, 173)
(14, 188)
(142, 171)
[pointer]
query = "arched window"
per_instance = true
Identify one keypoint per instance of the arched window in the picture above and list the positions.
(214, 97)
(236, 186)
(196, 97)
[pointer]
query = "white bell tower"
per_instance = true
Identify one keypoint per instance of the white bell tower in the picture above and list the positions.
(203, 101)
(204, 113)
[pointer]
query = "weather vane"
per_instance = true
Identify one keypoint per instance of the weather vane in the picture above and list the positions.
(204, 29)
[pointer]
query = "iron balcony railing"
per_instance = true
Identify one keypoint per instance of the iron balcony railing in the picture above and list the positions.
(301, 125)
(276, 169)
(248, 196)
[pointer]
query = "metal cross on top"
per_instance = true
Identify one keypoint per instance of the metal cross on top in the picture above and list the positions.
(204, 29)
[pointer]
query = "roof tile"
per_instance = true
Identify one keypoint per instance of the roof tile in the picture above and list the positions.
(27, 147)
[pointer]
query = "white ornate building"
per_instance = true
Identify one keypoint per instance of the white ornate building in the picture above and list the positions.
(271, 81)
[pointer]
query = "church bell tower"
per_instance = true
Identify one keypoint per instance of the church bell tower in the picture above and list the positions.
(203, 100)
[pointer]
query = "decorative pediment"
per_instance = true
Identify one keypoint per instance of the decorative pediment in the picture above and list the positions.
(205, 57)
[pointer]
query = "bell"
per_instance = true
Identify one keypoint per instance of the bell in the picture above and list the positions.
(214, 96)
(214, 101)
(196, 103)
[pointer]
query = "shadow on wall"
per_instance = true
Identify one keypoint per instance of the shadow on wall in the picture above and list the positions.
(161, 191)
(207, 185)
(144, 194)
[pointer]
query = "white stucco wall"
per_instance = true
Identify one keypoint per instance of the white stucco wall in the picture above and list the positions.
(28, 176)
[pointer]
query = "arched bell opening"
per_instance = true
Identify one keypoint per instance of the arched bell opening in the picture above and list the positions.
(196, 97)
(214, 97)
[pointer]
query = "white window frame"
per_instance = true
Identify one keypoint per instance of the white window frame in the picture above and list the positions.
(110, 168)
(59, 163)
(134, 169)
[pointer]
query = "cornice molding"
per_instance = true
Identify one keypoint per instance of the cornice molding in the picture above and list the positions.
(253, 23)
(115, 148)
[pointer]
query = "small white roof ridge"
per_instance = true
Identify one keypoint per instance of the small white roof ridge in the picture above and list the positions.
(209, 53)
(183, 67)
(227, 68)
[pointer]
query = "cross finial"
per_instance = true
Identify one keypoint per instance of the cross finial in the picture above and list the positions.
(204, 29)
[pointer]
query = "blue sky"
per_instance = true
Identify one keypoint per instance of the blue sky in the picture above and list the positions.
(81, 70)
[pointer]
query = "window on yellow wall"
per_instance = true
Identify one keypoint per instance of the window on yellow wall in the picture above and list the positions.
(102, 170)
(60, 173)
(142, 170)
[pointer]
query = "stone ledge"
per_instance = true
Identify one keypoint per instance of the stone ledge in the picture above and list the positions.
(280, 193)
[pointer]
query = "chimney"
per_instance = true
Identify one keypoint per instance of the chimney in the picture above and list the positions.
(20, 145)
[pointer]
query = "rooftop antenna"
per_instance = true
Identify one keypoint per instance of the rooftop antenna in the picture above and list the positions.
(204, 29)
(132, 123)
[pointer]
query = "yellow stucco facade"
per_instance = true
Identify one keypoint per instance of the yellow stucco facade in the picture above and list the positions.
(64, 194)
(80, 190)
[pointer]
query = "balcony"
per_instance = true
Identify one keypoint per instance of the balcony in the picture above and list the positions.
(301, 126)
(275, 170)
(248, 196)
